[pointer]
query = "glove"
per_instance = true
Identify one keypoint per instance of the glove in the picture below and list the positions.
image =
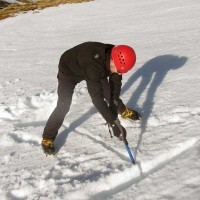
(118, 130)
(131, 114)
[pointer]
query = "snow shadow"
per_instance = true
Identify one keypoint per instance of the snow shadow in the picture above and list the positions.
(62, 137)
(151, 75)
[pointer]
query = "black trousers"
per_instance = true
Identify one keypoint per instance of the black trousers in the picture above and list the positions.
(66, 85)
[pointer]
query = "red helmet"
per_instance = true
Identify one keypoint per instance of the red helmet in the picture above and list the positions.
(124, 58)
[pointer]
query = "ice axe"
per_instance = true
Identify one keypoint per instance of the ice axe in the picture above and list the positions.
(128, 149)
(123, 138)
(130, 154)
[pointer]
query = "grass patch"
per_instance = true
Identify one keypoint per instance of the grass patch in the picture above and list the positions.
(14, 9)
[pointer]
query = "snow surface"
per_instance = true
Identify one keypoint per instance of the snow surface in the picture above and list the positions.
(163, 86)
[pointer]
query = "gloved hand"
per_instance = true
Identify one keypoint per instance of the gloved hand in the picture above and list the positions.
(118, 130)
(131, 114)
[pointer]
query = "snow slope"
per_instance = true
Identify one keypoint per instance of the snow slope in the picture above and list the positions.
(164, 87)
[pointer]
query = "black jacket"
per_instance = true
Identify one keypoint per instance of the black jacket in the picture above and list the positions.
(91, 62)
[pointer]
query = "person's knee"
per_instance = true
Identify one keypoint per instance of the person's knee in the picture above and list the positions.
(63, 105)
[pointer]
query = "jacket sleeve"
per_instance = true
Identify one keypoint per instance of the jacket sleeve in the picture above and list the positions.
(116, 104)
(115, 81)
(93, 78)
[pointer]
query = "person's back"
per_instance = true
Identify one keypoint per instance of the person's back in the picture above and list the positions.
(75, 60)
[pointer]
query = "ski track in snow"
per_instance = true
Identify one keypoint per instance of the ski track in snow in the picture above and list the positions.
(68, 169)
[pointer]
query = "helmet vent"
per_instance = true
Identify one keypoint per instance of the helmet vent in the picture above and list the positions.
(121, 58)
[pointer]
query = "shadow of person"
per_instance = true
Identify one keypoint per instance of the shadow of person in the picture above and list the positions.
(62, 137)
(151, 75)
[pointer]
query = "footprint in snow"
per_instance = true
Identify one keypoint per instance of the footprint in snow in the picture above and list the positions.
(9, 83)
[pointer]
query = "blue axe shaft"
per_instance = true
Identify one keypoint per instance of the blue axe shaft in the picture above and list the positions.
(130, 154)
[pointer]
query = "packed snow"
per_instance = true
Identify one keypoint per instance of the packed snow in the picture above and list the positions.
(163, 87)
